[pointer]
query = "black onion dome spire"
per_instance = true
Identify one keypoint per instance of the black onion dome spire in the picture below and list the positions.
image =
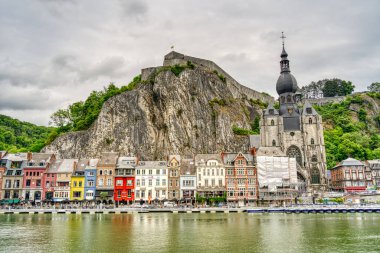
(286, 82)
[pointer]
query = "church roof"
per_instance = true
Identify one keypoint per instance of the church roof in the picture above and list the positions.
(270, 107)
(286, 82)
(308, 105)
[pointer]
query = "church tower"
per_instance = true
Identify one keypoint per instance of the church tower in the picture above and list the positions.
(295, 132)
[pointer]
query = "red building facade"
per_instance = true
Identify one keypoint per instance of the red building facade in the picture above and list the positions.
(125, 180)
(34, 171)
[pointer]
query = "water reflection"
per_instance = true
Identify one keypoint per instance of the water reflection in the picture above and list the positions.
(190, 233)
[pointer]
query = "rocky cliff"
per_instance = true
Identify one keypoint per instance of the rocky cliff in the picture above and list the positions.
(184, 110)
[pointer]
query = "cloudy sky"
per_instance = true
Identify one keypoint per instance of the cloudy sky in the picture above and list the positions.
(54, 52)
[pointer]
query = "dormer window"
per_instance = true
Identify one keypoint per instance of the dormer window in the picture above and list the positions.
(42, 163)
(30, 163)
(271, 111)
(308, 110)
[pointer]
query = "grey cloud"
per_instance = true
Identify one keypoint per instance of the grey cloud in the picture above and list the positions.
(65, 49)
(136, 9)
(110, 67)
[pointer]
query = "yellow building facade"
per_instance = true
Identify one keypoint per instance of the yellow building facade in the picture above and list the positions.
(77, 187)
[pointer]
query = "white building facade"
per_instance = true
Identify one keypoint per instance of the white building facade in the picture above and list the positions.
(151, 181)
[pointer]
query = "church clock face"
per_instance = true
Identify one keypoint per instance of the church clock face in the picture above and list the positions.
(294, 151)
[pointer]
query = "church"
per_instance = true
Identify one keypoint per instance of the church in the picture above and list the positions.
(295, 130)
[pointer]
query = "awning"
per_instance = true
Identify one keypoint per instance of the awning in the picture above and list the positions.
(10, 201)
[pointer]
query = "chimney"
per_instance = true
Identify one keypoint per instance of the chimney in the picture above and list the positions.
(253, 151)
(29, 156)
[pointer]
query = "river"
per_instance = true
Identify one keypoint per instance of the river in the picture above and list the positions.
(168, 232)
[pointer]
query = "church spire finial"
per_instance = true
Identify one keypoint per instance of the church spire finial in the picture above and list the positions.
(283, 39)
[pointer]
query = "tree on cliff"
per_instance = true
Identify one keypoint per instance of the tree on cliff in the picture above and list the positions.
(374, 87)
(327, 88)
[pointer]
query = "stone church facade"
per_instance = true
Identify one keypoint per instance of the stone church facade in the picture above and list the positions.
(295, 131)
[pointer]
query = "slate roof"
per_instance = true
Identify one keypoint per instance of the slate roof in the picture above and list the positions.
(126, 162)
(40, 157)
(232, 156)
(308, 105)
(270, 107)
(82, 164)
(63, 166)
(188, 167)
(108, 158)
(205, 157)
(18, 157)
(151, 164)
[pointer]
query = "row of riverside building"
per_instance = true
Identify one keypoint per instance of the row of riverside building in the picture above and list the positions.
(232, 177)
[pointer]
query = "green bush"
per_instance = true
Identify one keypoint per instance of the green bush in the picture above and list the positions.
(241, 131)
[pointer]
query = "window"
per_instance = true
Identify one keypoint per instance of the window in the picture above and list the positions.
(138, 172)
(137, 192)
(272, 122)
(212, 172)
(119, 193)
(163, 193)
(157, 194)
(27, 184)
(206, 182)
(109, 182)
(157, 172)
(310, 121)
(129, 194)
(220, 182)
(75, 183)
(119, 182)
(288, 99)
(221, 172)
(100, 182)
(157, 182)
(142, 182)
(143, 194)
(315, 176)
(314, 158)
(38, 183)
(77, 194)
(240, 162)
(90, 173)
(90, 183)
(273, 143)
(150, 172)
(150, 182)
(308, 111)
(137, 182)
(143, 172)
(47, 184)
(212, 182)
(105, 172)
(8, 183)
(129, 182)
(16, 184)
(199, 177)
(312, 141)
(271, 111)
(100, 172)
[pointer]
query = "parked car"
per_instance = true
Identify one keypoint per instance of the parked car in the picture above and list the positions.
(169, 204)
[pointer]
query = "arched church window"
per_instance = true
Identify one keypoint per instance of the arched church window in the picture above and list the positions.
(272, 122)
(315, 179)
(312, 141)
(294, 151)
(314, 158)
(310, 120)
(289, 98)
(273, 143)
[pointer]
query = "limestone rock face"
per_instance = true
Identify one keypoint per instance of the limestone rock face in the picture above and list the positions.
(167, 114)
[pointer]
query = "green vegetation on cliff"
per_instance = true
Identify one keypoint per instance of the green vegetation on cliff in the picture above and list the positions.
(351, 129)
(80, 115)
(18, 136)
